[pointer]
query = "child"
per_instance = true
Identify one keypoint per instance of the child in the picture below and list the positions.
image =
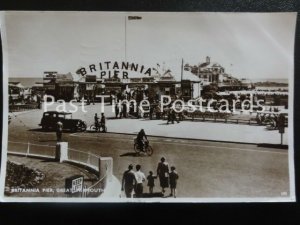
(173, 181)
(150, 179)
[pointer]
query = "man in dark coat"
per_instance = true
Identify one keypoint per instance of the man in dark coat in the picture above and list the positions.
(128, 181)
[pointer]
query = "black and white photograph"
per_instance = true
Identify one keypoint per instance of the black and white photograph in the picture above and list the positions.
(147, 106)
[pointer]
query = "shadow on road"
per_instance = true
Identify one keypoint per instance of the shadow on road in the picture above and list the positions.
(164, 123)
(112, 118)
(38, 130)
(52, 131)
(134, 154)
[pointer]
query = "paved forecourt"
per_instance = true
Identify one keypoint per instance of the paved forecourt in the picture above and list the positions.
(215, 131)
(199, 130)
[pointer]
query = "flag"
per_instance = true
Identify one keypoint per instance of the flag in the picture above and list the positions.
(134, 17)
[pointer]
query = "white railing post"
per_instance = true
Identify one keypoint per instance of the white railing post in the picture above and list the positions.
(107, 167)
(61, 151)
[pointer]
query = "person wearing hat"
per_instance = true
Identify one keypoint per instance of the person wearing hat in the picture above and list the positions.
(163, 174)
(128, 181)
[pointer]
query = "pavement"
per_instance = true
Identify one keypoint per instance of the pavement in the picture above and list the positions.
(239, 133)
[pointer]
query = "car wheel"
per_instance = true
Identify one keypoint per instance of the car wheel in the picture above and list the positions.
(83, 128)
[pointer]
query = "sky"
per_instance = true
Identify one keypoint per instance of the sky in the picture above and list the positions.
(247, 45)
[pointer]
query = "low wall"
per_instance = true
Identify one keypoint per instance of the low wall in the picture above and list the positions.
(22, 107)
(101, 166)
(31, 150)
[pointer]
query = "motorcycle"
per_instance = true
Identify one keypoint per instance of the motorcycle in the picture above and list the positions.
(146, 147)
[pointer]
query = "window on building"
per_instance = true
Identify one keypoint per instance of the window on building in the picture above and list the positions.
(167, 91)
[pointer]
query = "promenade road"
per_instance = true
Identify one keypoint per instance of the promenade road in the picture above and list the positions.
(206, 169)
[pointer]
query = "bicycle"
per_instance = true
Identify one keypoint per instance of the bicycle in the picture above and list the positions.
(146, 147)
(98, 128)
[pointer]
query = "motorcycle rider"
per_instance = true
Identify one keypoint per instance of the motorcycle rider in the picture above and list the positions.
(140, 139)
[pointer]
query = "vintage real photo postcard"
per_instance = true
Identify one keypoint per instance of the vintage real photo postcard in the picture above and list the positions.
(147, 107)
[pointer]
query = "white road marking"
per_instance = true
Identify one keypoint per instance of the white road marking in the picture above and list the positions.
(189, 144)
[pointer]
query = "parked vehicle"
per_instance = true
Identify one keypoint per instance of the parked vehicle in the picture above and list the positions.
(51, 118)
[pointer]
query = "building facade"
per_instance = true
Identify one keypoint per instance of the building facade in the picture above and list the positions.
(134, 85)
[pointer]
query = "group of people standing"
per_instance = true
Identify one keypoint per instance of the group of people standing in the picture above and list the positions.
(132, 181)
(121, 110)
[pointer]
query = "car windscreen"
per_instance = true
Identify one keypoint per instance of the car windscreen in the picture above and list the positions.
(61, 116)
(68, 116)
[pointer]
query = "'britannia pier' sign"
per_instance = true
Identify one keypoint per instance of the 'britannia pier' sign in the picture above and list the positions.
(110, 69)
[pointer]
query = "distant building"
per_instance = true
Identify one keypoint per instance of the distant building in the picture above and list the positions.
(215, 73)
(60, 86)
(207, 72)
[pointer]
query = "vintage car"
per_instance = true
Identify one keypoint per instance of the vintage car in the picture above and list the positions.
(50, 119)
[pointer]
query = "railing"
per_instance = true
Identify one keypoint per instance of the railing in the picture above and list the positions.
(84, 158)
(101, 166)
(30, 149)
(23, 107)
(219, 117)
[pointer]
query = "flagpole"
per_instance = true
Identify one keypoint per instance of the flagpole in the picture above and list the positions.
(125, 38)
(181, 75)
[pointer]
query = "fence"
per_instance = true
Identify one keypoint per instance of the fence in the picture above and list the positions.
(22, 107)
(30, 149)
(101, 166)
(218, 117)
